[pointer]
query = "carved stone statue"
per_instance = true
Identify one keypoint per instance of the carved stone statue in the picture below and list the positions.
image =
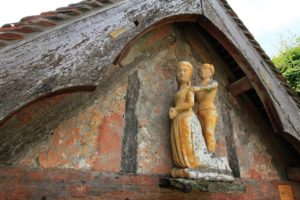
(185, 128)
(207, 112)
(190, 154)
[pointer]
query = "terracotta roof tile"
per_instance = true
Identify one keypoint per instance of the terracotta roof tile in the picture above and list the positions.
(10, 36)
(81, 6)
(37, 23)
(12, 24)
(21, 29)
(42, 22)
(94, 3)
(69, 11)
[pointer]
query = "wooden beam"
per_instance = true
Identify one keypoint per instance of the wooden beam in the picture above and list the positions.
(282, 110)
(240, 86)
(77, 53)
(199, 47)
(294, 174)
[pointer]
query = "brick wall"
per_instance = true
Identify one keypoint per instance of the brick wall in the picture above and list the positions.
(19, 183)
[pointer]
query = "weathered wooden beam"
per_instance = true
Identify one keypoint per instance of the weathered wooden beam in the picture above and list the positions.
(293, 174)
(240, 86)
(78, 52)
(282, 110)
(200, 49)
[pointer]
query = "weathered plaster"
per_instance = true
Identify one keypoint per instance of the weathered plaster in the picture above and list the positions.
(93, 138)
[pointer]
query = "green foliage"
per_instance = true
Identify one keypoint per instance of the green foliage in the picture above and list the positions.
(288, 63)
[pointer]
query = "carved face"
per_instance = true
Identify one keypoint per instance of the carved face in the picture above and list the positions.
(183, 73)
(205, 72)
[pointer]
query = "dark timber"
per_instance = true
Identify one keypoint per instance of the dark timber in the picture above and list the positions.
(129, 143)
(240, 86)
(294, 174)
(231, 151)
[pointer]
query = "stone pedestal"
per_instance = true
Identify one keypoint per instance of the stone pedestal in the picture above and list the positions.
(188, 185)
(214, 168)
(202, 174)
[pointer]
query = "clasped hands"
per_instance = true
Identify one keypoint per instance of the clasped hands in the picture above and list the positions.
(172, 112)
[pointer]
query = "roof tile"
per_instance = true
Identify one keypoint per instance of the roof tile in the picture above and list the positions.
(10, 36)
(81, 6)
(16, 31)
(21, 29)
(55, 16)
(43, 22)
(69, 11)
(93, 3)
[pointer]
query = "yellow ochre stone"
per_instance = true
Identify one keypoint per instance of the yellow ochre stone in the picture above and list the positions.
(116, 33)
(207, 112)
(285, 192)
(193, 141)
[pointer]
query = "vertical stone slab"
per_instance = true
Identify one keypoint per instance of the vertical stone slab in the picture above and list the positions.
(231, 150)
(129, 143)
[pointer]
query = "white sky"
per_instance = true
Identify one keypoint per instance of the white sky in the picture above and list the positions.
(267, 20)
(14, 10)
(270, 21)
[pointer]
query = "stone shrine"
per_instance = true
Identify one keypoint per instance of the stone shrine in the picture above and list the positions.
(191, 155)
(85, 97)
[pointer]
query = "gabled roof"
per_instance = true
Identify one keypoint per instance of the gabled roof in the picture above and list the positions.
(89, 49)
(27, 26)
(261, 52)
(13, 32)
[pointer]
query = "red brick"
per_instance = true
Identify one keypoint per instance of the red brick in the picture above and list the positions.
(108, 154)
(253, 174)
(51, 159)
(20, 183)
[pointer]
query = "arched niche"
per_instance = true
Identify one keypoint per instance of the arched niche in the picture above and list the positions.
(123, 125)
(45, 65)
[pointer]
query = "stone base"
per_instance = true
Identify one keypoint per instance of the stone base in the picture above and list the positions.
(186, 185)
(202, 174)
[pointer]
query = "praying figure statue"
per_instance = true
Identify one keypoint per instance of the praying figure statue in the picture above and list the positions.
(190, 154)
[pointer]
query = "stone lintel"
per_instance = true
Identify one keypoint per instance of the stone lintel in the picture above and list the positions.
(190, 185)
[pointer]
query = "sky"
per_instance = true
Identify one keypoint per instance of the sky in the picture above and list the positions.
(270, 21)
(14, 10)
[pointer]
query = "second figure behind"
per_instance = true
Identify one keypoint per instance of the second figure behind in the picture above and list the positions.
(207, 112)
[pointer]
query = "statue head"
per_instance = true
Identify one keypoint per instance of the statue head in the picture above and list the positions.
(206, 71)
(184, 72)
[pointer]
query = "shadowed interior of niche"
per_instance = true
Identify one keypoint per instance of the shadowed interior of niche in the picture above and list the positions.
(255, 107)
(34, 122)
